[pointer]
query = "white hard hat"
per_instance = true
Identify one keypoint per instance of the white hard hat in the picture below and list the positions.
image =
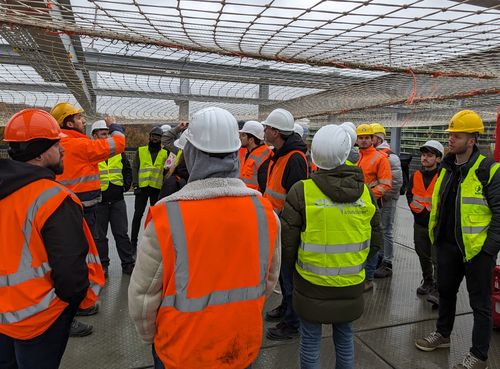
(297, 128)
(435, 145)
(330, 146)
(214, 130)
(280, 119)
(165, 128)
(100, 124)
(351, 129)
(254, 128)
(181, 141)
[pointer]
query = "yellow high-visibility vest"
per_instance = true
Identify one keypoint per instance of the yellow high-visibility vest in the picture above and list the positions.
(111, 172)
(151, 174)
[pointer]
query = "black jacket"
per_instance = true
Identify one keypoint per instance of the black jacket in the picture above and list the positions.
(62, 233)
(448, 224)
(421, 218)
(115, 193)
(319, 303)
(296, 167)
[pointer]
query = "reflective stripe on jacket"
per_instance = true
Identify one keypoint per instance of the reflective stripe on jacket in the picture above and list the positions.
(110, 171)
(213, 280)
(336, 240)
(249, 168)
(422, 197)
(81, 158)
(275, 192)
(151, 174)
(28, 301)
(376, 171)
(471, 206)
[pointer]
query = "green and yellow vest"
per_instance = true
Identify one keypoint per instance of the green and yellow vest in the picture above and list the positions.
(110, 171)
(151, 174)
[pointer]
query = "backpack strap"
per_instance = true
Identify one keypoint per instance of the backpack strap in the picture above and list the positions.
(483, 171)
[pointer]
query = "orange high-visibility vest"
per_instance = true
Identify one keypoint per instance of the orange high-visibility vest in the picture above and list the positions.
(81, 158)
(241, 155)
(214, 278)
(376, 170)
(28, 301)
(275, 192)
(422, 197)
(250, 166)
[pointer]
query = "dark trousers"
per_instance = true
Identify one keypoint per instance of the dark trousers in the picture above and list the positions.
(478, 273)
(286, 274)
(90, 216)
(114, 213)
(426, 253)
(42, 352)
(141, 201)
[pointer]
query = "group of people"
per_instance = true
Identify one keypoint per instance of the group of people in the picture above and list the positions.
(233, 210)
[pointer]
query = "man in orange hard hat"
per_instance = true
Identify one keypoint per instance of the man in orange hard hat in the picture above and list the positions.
(49, 264)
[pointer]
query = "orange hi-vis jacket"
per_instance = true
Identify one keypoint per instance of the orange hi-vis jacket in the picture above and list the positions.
(422, 197)
(376, 170)
(214, 278)
(28, 301)
(250, 166)
(241, 155)
(81, 163)
(275, 192)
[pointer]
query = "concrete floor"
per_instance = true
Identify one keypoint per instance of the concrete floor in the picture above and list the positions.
(394, 317)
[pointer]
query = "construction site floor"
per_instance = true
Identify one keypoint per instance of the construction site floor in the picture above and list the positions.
(394, 317)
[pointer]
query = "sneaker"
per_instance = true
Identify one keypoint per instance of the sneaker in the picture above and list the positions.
(88, 312)
(282, 332)
(471, 362)
(128, 269)
(276, 314)
(384, 271)
(433, 298)
(432, 341)
(425, 288)
(367, 286)
(79, 329)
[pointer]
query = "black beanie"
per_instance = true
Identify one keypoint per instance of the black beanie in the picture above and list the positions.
(26, 151)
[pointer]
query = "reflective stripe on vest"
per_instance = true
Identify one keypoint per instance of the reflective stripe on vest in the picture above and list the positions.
(151, 174)
(475, 214)
(22, 314)
(422, 197)
(336, 240)
(250, 167)
(111, 172)
(74, 181)
(180, 301)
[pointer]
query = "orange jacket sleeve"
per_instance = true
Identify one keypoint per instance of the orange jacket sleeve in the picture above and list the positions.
(99, 150)
(384, 177)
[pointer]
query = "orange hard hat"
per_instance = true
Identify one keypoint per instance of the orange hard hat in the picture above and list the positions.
(31, 124)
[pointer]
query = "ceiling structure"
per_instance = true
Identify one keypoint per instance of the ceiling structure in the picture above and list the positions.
(408, 63)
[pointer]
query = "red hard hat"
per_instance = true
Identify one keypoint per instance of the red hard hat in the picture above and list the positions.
(30, 124)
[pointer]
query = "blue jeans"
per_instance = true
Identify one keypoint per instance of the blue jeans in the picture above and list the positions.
(371, 265)
(387, 214)
(310, 343)
(290, 318)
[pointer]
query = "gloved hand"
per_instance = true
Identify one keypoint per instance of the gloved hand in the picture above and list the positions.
(137, 190)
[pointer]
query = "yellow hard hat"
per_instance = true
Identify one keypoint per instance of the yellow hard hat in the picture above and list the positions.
(466, 121)
(364, 130)
(378, 128)
(62, 110)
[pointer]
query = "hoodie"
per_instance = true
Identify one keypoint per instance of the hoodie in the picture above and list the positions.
(319, 303)
(62, 233)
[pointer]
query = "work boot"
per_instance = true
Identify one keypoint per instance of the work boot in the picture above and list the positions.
(79, 329)
(384, 271)
(471, 362)
(426, 287)
(88, 312)
(282, 332)
(432, 341)
(276, 314)
(433, 297)
(367, 286)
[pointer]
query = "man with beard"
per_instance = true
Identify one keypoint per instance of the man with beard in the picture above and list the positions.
(147, 174)
(464, 227)
(81, 173)
(48, 258)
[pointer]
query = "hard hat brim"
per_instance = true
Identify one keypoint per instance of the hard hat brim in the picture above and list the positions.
(454, 130)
